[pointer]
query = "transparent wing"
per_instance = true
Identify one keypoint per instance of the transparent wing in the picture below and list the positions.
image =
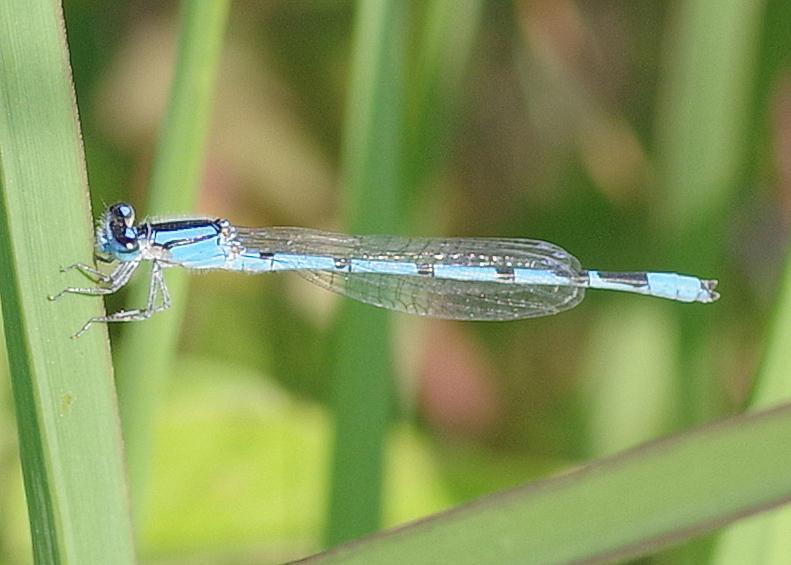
(429, 295)
(449, 299)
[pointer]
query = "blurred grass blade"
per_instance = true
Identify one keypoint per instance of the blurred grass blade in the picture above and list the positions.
(373, 182)
(618, 507)
(147, 349)
(703, 144)
(69, 433)
(702, 147)
(630, 398)
(704, 113)
(448, 37)
(766, 538)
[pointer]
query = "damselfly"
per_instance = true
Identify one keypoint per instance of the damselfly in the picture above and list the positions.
(452, 278)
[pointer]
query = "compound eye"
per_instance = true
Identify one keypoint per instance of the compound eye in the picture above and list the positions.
(125, 237)
(123, 212)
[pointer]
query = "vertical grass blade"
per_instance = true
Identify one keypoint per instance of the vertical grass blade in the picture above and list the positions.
(704, 132)
(705, 107)
(766, 538)
(703, 135)
(69, 432)
(148, 349)
(448, 38)
(372, 190)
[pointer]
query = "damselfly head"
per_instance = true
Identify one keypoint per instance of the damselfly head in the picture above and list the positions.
(116, 234)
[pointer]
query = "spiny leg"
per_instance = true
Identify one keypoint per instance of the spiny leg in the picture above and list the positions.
(115, 280)
(89, 271)
(157, 286)
(157, 277)
(163, 291)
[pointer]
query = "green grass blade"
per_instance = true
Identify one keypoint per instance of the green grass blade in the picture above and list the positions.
(703, 144)
(766, 538)
(373, 179)
(448, 38)
(622, 506)
(705, 107)
(69, 432)
(147, 350)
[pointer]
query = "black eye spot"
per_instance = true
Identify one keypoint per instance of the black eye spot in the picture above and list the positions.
(126, 237)
(122, 212)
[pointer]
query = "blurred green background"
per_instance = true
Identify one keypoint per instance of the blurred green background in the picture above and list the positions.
(638, 135)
